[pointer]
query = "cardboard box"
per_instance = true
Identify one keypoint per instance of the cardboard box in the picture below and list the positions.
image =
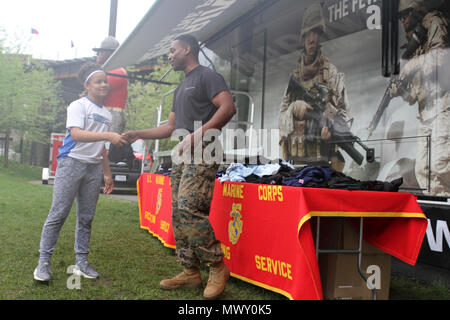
(339, 272)
(340, 278)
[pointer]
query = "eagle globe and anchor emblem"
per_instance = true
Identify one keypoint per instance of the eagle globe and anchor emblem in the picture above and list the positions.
(159, 200)
(235, 225)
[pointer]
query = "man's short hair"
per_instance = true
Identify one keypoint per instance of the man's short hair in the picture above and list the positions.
(190, 41)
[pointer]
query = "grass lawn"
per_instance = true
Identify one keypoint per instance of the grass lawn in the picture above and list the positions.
(130, 260)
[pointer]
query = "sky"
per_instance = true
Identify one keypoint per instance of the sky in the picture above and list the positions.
(85, 23)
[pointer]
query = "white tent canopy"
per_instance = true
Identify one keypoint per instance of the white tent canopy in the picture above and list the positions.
(168, 19)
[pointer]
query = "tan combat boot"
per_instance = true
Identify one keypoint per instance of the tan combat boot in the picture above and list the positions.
(189, 279)
(218, 277)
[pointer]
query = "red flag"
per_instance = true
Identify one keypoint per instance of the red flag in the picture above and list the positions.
(34, 31)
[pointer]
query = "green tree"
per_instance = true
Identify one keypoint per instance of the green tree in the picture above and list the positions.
(144, 99)
(29, 99)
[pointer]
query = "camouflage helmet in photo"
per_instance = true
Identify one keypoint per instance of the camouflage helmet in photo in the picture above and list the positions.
(416, 5)
(313, 19)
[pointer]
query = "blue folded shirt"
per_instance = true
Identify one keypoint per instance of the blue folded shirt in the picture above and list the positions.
(308, 175)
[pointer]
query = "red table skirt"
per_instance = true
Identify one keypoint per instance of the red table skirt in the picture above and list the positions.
(265, 231)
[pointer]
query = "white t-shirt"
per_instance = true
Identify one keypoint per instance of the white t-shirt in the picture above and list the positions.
(89, 116)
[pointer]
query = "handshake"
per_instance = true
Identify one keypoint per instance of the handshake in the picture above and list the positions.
(122, 139)
(188, 142)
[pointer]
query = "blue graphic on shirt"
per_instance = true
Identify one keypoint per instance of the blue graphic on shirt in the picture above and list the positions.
(99, 118)
(67, 146)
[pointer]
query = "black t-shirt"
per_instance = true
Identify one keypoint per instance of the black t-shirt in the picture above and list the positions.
(193, 97)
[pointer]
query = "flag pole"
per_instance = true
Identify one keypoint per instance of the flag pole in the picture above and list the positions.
(113, 18)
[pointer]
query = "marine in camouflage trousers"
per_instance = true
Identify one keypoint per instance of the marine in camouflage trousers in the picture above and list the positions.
(192, 189)
(428, 85)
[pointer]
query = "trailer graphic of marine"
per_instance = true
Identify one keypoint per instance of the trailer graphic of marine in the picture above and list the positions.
(314, 99)
(424, 80)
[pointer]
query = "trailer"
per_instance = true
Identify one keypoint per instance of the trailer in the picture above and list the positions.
(56, 141)
(380, 70)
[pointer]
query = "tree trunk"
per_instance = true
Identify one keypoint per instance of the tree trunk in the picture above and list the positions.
(6, 148)
(32, 154)
(21, 150)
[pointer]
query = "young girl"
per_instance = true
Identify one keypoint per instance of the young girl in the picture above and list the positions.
(81, 160)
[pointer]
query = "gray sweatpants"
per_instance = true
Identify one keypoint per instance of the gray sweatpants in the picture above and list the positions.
(73, 180)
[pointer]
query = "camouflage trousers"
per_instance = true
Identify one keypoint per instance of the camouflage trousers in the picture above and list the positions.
(304, 153)
(192, 189)
(435, 178)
